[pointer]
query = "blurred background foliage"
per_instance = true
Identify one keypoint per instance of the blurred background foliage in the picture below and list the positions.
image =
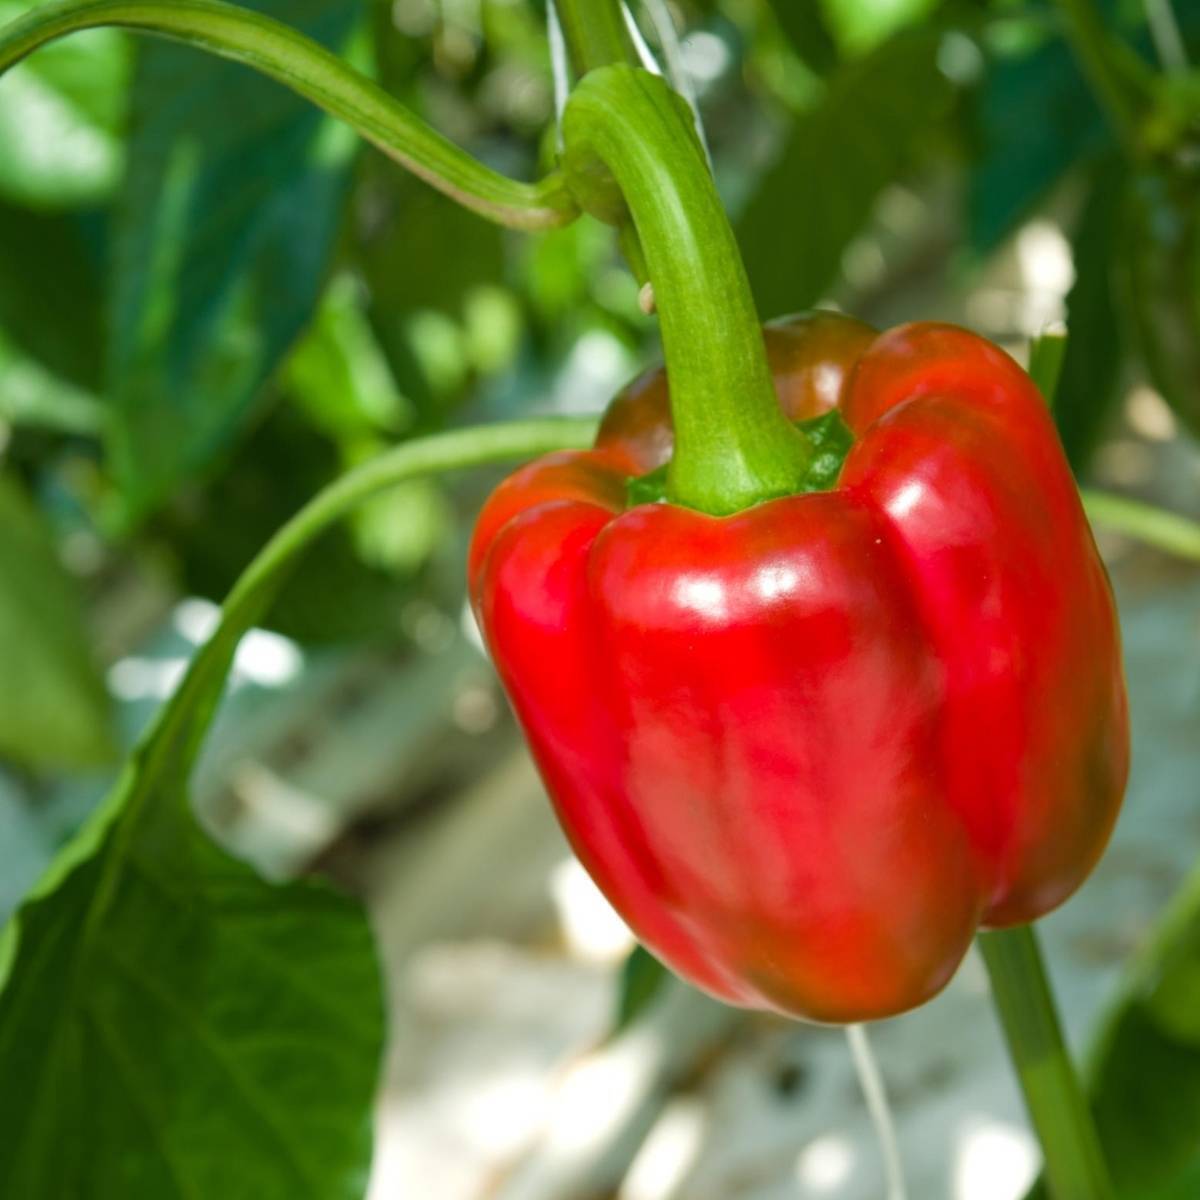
(213, 300)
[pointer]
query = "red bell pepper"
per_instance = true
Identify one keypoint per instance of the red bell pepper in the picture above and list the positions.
(807, 749)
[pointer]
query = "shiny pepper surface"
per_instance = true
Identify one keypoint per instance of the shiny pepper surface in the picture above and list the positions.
(807, 749)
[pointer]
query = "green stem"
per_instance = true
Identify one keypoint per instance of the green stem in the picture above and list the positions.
(1170, 532)
(318, 75)
(259, 583)
(1117, 77)
(1074, 1165)
(440, 452)
(595, 33)
(631, 148)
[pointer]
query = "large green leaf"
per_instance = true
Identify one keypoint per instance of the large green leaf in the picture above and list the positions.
(839, 157)
(1036, 117)
(175, 1028)
(172, 1027)
(222, 239)
(60, 118)
(179, 1027)
(53, 706)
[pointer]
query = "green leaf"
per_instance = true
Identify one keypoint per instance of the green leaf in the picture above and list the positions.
(1088, 385)
(61, 117)
(839, 157)
(53, 707)
(1036, 118)
(183, 1029)
(1160, 273)
(222, 239)
(642, 978)
(171, 1026)
(1047, 352)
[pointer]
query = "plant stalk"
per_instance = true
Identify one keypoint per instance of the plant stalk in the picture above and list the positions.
(631, 150)
(1074, 1165)
(595, 33)
(305, 66)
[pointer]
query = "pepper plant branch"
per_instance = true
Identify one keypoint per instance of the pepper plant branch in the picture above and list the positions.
(1074, 1164)
(631, 150)
(251, 595)
(176, 734)
(286, 55)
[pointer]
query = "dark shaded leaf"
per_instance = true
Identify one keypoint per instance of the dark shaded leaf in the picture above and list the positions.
(1160, 271)
(642, 978)
(1036, 119)
(839, 157)
(1088, 386)
(221, 243)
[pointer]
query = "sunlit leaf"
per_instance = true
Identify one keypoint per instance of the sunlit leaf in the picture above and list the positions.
(61, 115)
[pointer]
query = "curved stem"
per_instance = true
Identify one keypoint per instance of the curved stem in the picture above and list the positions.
(315, 73)
(469, 447)
(870, 1079)
(1074, 1165)
(257, 586)
(631, 148)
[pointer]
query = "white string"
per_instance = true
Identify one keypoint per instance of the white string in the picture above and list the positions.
(871, 1082)
(1164, 32)
(559, 67)
(644, 53)
(665, 30)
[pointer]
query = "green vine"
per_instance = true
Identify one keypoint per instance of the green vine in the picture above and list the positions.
(276, 50)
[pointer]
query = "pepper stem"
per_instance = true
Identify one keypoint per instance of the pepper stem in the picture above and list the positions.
(631, 150)
(1074, 1165)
